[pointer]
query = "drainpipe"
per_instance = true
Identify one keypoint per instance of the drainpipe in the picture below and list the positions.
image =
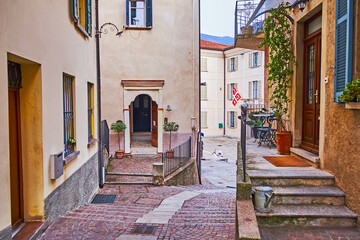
(100, 160)
(201, 147)
(224, 92)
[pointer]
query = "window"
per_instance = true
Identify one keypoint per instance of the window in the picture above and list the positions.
(255, 89)
(203, 119)
(203, 92)
(68, 95)
(82, 15)
(343, 45)
(90, 92)
(231, 87)
(204, 64)
(231, 119)
(232, 64)
(139, 13)
(255, 59)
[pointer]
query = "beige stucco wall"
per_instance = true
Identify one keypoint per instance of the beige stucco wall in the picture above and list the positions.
(169, 52)
(41, 36)
(339, 147)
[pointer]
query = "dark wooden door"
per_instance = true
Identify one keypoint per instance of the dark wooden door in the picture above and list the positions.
(311, 103)
(142, 112)
(154, 128)
(15, 158)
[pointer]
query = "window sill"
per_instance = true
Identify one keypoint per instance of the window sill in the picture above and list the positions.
(82, 30)
(352, 105)
(137, 28)
(91, 143)
(71, 157)
(255, 66)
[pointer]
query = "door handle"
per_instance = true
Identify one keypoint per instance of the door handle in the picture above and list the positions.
(316, 95)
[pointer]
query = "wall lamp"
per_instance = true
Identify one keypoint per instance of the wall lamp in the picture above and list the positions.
(113, 27)
(203, 84)
(302, 4)
(168, 108)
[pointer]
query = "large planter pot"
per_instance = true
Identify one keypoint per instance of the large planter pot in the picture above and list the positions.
(119, 154)
(283, 140)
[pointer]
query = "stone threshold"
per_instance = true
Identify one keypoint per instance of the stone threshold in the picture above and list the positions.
(312, 158)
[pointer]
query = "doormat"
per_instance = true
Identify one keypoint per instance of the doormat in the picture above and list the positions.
(100, 198)
(287, 161)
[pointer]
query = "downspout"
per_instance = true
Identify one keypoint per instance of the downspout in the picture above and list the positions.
(199, 140)
(224, 92)
(100, 160)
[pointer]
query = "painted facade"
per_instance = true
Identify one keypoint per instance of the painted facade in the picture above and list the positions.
(337, 127)
(42, 53)
(151, 68)
(244, 70)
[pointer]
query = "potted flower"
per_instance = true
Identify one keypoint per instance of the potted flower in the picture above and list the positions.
(282, 59)
(118, 127)
(170, 127)
(351, 95)
(71, 142)
(254, 123)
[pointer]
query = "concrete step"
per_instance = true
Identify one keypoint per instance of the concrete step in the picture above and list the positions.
(308, 216)
(290, 178)
(129, 174)
(128, 183)
(308, 195)
(310, 157)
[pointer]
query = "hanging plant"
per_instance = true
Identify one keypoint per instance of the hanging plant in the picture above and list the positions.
(278, 34)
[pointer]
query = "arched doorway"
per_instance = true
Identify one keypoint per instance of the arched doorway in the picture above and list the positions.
(142, 114)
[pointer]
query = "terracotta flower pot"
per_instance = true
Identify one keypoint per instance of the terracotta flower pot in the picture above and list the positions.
(170, 154)
(283, 140)
(119, 154)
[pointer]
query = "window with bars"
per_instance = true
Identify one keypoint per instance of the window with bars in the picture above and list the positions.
(90, 92)
(68, 94)
(232, 119)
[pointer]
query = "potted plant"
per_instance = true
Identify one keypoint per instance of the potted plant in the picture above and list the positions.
(170, 127)
(351, 95)
(71, 142)
(254, 123)
(282, 59)
(118, 127)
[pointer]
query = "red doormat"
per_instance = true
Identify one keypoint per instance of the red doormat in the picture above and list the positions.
(287, 161)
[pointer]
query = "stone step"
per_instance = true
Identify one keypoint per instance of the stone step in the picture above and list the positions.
(128, 183)
(308, 216)
(308, 196)
(290, 178)
(129, 174)
(310, 157)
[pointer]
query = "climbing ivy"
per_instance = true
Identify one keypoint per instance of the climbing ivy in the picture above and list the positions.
(277, 38)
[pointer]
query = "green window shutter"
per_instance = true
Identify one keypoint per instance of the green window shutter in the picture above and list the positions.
(74, 10)
(127, 12)
(343, 45)
(149, 20)
(88, 17)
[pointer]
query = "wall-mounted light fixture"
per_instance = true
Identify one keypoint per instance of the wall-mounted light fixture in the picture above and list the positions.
(302, 4)
(168, 109)
(113, 27)
(203, 84)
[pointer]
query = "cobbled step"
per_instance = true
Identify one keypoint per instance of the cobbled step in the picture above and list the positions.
(308, 216)
(128, 183)
(129, 174)
(308, 195)
(291, 178)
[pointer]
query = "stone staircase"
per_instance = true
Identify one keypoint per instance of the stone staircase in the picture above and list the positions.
(303, 198)
(113, 178)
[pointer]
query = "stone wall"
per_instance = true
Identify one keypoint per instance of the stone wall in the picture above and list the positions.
(75, 191)
(186, 175)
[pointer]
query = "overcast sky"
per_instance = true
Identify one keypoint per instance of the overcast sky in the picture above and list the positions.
(217, 17)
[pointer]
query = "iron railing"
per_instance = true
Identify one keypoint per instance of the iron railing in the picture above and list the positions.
(180, 156)
(105, 135)
(255, 108)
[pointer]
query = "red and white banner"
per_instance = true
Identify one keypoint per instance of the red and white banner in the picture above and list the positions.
(236, 97)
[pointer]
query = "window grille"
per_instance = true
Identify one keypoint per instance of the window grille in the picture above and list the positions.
(90, 112)
(68, 114)
(14, 75)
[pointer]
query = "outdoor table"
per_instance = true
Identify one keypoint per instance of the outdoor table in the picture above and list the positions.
(266, 134)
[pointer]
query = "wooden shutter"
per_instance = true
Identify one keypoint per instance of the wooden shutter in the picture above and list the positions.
(203, 119)
(228, 91)
(74, 5)
(235, 119)
(203, 92)
(260, 58)
(204, 64)
(260, 89)
(127, 12)
(228, 118)
(88, 14)
(236, 63)
(250, 60)
(149, 13)
(228, 64)
(250, 90)
(343, 45)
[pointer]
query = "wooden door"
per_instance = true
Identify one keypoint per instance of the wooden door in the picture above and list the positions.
(15, 158)
(142, 113)
(311, 97)
(154, 123)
